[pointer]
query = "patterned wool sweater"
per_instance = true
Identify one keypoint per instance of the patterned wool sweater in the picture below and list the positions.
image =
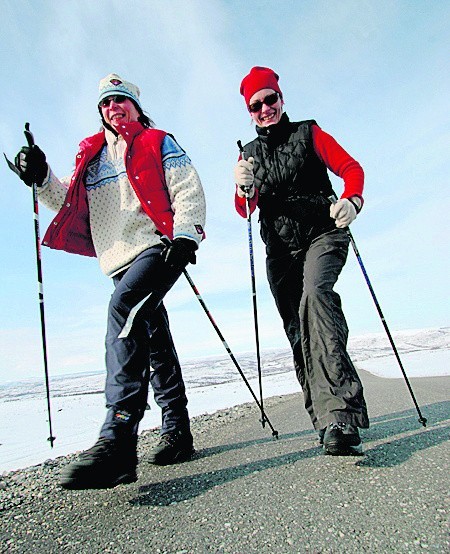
(120, 229)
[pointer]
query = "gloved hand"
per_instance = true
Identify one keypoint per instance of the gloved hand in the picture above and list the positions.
(31, 164)
(179, 253)
(344, 212)
(243, 177)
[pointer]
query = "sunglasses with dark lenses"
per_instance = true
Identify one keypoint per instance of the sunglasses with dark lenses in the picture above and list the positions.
(118, 99)
(269, 100)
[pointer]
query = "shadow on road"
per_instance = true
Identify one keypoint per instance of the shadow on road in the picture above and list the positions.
(387, 454)
(397, 451)
(183, 488)
(207, 452)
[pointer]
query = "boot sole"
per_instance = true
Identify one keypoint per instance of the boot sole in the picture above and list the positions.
(78, 484)
(179, 458)
(344, 450)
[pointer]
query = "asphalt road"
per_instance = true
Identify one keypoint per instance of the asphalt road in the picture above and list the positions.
(246, 492)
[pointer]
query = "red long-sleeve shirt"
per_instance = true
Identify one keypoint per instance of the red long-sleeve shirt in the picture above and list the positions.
(335, 158)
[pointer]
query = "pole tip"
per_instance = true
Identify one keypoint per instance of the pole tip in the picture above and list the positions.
(423, 421)
(51, 440)
(275, 435)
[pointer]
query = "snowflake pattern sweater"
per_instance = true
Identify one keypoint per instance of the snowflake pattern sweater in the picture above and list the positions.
(120, 228)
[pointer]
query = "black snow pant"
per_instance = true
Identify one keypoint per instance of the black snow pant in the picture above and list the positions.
(302, 284)
(140, 349)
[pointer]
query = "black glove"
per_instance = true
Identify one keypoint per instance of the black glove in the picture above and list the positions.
(31, 164)
(180, 253)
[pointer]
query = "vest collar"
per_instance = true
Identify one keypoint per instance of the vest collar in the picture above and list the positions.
(95, 142)
(127, 131)
(278, 130)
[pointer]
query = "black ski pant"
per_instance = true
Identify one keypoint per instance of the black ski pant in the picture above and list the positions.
(302, 284)
(140, 349)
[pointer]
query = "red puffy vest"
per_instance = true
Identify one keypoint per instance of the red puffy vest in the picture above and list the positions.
(70, 229)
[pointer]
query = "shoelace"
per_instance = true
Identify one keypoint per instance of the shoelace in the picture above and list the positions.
(339, 425)
(103, 445)
(168, 438)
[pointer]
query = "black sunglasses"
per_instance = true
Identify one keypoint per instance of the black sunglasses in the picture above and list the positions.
(118, 99)
(269, 100)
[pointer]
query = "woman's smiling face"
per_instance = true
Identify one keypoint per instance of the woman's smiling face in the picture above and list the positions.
(116, 113)
(267, 115)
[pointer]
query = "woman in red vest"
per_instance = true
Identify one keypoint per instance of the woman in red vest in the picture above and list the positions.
(132, 183)
(284, 173)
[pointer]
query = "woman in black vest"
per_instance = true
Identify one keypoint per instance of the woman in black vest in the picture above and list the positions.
(284, 172)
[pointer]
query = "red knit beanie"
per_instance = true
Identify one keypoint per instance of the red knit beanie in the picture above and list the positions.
(257, 79)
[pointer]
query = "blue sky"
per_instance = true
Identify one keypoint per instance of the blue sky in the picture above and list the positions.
(374, 74)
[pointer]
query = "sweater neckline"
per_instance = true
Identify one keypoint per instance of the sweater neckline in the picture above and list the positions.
(111, 138)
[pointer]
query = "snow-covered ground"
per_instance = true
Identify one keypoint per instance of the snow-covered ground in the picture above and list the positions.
(213, 383)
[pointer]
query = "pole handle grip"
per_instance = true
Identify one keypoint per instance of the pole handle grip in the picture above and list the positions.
(163, 238)
(30, 142)
(29, 135)
(333, 198)
(241, 150)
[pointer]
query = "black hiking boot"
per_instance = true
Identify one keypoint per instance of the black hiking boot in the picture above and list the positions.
(107, 464)
(342, 439)
(173, 447)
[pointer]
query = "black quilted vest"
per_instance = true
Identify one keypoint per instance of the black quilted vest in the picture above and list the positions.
(293, 186)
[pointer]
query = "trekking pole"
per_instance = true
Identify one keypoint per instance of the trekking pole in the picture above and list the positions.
(30, 141)
(253, 280)
(333, 199)
(167, 241)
